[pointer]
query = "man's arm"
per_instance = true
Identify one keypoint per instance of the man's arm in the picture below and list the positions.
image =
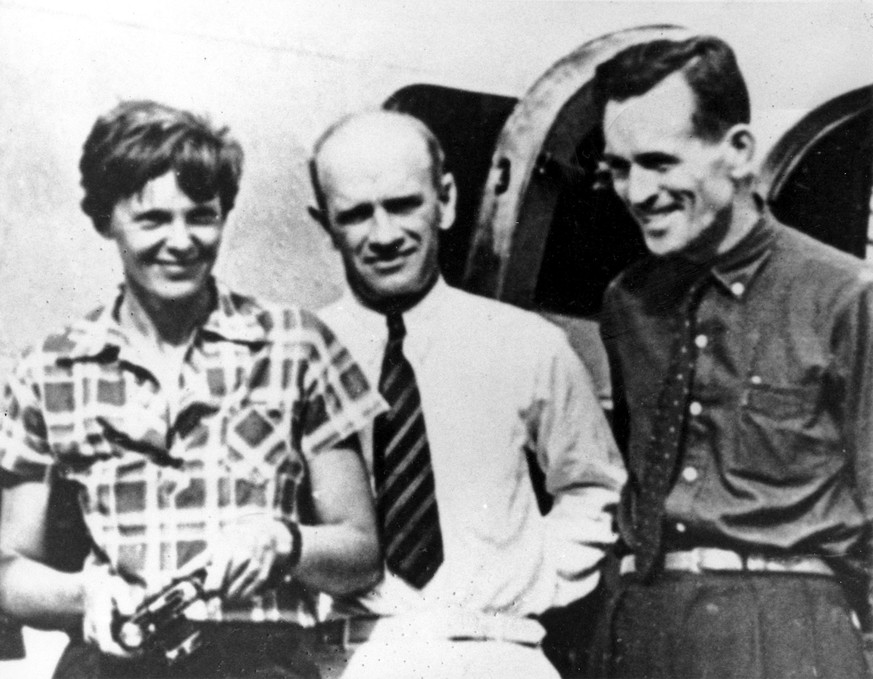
(583, 470)
(854, 358)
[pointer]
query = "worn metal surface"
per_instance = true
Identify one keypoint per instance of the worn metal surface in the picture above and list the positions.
(818, 177)
(508, 244)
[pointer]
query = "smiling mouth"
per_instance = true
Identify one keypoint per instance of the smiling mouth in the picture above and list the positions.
(658, 213)
(390, 262)
(180, 268)
(653, 221)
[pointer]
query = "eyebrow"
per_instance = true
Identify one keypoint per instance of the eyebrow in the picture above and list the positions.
(392, 205)
(647, 158)
(159, 215)
(154, 215)
(402, 203)
(655, 158)
(354, 213)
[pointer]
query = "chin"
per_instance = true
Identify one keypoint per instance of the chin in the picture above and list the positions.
(389, 286)
(661, 249)
(391, 293)
(170, 294)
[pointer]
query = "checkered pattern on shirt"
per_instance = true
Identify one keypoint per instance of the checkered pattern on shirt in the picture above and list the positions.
(263, 390)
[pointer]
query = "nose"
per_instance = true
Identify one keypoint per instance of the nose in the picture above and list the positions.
(383, 231)
(179, 236)
(642, 186)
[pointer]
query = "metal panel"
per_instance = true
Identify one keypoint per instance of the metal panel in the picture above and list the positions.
(467, 125)
(513, 226)
(818, 176)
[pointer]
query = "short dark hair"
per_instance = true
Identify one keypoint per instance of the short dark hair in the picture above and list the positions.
(138, 141)
(708, 65)
(434, 148)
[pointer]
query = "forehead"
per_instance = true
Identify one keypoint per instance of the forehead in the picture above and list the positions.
(660, 117)
(373, 158)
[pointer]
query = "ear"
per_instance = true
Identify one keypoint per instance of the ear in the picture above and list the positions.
(318, 216)
(448, 198)
(740, 151)
(103, 227)
(322, 219)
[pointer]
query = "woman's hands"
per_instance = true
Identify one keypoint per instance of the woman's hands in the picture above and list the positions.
(106, 597)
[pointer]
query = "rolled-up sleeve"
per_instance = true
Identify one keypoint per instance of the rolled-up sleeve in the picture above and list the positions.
(583, 470)
(338, 400)
(853, 357)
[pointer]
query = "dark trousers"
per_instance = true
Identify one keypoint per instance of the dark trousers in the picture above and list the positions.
(730, 626)
(11, 639)
(228, 651)
(570, 632)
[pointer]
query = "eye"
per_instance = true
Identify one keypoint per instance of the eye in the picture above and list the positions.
(203, 217)
(152, 219)
(657, 162)
(403, 205)
(354, 215)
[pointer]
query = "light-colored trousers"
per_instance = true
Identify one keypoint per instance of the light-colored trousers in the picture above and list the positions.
(480, 646)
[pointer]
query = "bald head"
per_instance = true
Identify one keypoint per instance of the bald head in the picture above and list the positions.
(377, 129)
(383, 198)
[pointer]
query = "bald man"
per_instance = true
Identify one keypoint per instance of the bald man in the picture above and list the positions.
(474, 386)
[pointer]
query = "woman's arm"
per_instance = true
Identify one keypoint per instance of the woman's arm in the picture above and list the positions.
(43, 597)
(29, 590)
(342, 554)
(338, 555)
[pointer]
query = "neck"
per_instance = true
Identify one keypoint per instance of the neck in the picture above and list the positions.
(397, 304)
(165, 324)
(743, 216)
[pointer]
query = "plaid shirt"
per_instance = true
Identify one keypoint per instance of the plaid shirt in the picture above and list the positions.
(263, 389)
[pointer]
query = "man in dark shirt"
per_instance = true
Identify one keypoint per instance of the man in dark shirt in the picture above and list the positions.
(742, 355)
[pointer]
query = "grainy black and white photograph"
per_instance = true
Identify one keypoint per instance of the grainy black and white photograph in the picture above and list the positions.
(435, 339)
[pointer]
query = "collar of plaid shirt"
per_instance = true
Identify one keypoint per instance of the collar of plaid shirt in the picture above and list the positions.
(234, 318)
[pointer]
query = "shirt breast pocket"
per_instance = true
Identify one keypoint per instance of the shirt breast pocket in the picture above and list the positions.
(113, 479)
(785, 434)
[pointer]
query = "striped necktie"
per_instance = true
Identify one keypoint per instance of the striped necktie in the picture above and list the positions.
(405, 497)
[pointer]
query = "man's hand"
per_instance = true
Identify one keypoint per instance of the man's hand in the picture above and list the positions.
(105, 596)
(240, 563)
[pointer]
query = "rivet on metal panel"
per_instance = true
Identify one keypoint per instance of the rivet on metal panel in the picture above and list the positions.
(544, 161)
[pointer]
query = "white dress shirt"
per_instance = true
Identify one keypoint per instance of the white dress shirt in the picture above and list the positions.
(496, 381)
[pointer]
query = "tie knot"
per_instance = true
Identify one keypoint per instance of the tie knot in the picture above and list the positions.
(396, 329)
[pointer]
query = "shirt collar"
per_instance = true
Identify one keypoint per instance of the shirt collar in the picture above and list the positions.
(236, 318)
(734, 270)
(422, 314)
(233, 317)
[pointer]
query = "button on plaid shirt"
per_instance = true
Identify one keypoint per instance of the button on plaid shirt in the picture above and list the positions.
(263, 389)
